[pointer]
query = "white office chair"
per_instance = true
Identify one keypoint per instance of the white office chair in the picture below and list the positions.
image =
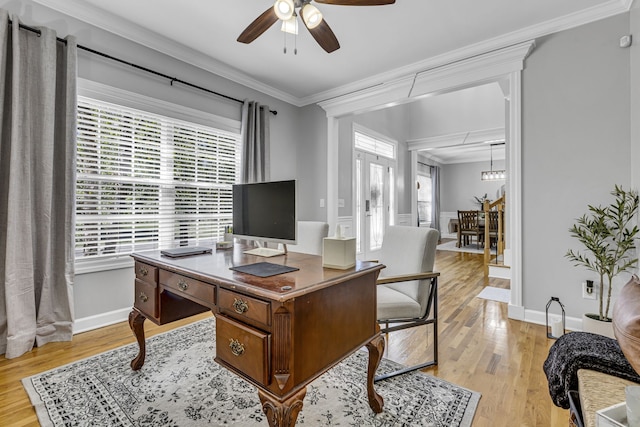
(310, 235)
(407, 287)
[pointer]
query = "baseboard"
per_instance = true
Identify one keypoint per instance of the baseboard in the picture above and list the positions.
(515, 312)
(539, 318)
(100, 320)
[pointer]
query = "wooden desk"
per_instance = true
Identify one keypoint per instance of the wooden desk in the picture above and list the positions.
(279, 333)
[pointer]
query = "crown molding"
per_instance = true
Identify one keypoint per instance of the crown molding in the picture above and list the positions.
(121, 27)
(384, 94)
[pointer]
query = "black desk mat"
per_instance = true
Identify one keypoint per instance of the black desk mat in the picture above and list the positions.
(264, 269)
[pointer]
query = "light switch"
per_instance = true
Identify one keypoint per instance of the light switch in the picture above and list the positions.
(322, 203)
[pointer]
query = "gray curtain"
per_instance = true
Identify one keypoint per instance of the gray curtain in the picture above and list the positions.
(255, 142)
(435, 206)
(37, 187)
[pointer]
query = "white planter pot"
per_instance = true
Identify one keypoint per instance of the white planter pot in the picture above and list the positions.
(597, 326)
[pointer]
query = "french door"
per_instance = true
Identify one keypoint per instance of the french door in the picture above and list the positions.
(375, 201)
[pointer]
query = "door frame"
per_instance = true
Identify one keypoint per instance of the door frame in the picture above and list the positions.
(392, 162)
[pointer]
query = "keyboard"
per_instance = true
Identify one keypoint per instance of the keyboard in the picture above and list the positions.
(264, 252)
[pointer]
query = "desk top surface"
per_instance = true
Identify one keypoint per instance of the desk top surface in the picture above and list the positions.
(310, 277)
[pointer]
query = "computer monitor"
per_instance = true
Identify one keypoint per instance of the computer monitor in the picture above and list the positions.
(265, 212)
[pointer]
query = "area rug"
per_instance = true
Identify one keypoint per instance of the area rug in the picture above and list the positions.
(451, 246)
(181, 385)
(495, 294)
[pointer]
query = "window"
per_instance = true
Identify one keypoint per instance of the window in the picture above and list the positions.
(425, 198)
(146, 181)
(374, 145)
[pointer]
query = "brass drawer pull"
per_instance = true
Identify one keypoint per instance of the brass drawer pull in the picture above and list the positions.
(143, 271)
(240, 306)
(183, 285)
(143, 297)
(236, 347)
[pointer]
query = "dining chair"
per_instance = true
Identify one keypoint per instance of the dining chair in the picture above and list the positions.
(469, 227)
(407, 286)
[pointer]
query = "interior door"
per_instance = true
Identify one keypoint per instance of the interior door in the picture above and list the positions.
(374, 202)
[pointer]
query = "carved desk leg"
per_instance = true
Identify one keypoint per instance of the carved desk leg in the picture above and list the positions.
(136, 323)
(376, 349)
(282, 414)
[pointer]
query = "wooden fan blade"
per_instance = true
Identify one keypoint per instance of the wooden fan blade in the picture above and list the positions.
(324, 36)
(259, 26)
(357, 2)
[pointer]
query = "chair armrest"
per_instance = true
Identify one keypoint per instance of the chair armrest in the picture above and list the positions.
(407, 277)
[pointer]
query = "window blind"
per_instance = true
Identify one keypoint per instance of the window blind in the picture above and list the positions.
(146, 181)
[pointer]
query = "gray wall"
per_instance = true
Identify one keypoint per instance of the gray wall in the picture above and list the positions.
(635, 92)
(576, 147)
(460, 183)
(312, 164)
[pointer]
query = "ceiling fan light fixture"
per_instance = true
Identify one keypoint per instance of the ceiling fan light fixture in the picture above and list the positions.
(290, 25)
(284, 9)
(311, 15)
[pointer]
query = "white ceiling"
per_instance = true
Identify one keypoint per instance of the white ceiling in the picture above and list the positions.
(378, 43)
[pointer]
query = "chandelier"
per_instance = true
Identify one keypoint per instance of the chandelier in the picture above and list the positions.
(492, 175)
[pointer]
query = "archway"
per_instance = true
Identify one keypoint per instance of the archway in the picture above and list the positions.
(503, 66)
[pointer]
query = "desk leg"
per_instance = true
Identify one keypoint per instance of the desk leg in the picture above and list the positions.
(282, 414)
(136, 323)
(376, 349)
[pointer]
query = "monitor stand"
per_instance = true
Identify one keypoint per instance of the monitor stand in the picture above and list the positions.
(267, 252)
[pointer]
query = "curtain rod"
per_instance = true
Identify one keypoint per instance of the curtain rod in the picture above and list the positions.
(172, 80)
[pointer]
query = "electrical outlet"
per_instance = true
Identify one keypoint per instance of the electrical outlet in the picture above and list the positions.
(587, 295)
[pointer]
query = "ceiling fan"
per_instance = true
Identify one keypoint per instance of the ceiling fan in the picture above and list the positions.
(285, 10)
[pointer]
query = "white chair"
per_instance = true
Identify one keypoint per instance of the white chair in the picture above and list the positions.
(407, 287)
(310, 235)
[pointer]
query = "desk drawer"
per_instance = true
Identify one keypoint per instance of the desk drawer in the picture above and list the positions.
(188, 286)
(146, 273)
(244, 348)
(243, 307)
(146, 299)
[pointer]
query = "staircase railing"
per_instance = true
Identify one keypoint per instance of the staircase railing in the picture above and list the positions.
(487, 206)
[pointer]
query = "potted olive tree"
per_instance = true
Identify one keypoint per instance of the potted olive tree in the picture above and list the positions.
(607, 234)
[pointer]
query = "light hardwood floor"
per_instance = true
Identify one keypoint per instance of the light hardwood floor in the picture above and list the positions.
(480, 348)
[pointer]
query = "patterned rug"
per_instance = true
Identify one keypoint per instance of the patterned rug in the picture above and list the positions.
(181, 385)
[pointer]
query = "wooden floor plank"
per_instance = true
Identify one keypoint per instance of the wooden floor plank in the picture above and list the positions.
(480, 348)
